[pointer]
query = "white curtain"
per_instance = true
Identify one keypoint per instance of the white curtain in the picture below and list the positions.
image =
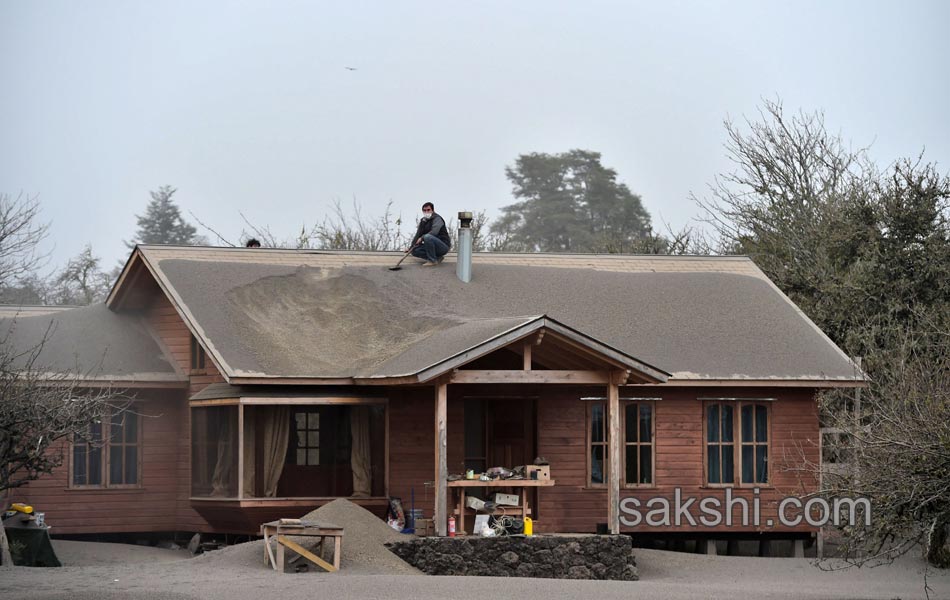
(360, 460)
(274, 445)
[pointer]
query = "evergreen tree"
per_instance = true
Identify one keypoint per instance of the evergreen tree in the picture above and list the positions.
(570, 202)
(162, 222)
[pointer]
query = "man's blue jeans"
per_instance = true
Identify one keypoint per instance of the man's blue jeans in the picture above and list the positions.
(431, 248)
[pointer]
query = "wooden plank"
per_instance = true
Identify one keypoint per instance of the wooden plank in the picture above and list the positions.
(558, 355)
(240, 465)
(309, 555)
(613, 464)
(526, 355)
(268, 549)
(769, 383)
(441, 458)
(564, 377)
(512, 483)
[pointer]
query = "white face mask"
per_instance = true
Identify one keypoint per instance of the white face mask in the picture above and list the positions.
(426, 216)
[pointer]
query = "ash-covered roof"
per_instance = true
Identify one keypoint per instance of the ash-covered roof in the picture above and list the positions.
(90, 342)
(280, 313)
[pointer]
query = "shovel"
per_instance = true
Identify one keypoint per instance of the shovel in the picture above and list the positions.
(404, 256)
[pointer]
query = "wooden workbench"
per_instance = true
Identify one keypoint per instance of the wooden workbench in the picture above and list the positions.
(275, 530)
(523, 509)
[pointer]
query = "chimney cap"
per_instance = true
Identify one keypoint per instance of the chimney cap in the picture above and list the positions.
(465, 219)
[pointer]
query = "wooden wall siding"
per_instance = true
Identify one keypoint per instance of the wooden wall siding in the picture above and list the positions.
(168, 325)
(173, 332)
(153, 507)
(570, 506)
(411, 445)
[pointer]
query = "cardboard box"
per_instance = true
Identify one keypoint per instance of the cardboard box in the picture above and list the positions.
(473, 502)
(425, 527)
(538, 472)
(506, 499)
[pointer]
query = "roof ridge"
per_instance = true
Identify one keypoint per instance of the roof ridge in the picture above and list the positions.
(562, 255)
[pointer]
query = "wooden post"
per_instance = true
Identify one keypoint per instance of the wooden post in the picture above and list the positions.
(613, 462)
(526, 355)
(241, 458)
(441, 460)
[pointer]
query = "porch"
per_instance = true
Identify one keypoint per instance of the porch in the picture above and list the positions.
(264, 452)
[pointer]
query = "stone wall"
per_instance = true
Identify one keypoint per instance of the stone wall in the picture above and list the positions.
(554, 557)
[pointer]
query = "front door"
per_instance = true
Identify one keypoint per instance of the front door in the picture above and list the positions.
(499, 432)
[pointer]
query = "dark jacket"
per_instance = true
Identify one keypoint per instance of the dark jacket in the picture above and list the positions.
(434, 225)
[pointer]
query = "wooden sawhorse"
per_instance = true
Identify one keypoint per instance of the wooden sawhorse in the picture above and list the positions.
(280, 532)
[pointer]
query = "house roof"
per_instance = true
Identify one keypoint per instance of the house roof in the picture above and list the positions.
(311, 314)
(91, 342)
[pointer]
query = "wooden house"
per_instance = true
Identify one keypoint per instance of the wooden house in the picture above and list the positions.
(268, 382)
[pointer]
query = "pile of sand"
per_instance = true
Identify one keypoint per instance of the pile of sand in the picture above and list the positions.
(364, 539)
(326, 321)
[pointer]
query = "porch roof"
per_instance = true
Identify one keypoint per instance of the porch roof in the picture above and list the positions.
(316, 315)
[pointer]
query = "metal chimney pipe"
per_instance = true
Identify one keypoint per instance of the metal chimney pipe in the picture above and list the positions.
(463, 266)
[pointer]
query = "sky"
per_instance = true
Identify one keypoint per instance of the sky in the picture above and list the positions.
(249, 107)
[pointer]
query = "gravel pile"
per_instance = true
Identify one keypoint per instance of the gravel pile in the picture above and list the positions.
(364, 539)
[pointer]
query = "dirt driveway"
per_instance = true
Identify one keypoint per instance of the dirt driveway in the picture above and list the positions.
(121, 571)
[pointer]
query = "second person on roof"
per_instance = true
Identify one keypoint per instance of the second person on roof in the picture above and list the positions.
(431, 241)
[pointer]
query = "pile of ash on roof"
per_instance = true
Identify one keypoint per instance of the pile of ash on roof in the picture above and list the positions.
(364, 544)
(326, 320)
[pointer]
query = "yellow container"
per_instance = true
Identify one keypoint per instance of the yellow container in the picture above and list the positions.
(528, 526)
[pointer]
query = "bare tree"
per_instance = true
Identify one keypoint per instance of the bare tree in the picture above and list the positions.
(895, 447)
(865, 253)
(80, 282)
(341, 231)
(39, 412)
(21, 232)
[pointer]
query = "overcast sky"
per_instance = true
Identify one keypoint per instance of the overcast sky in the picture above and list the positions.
(249, 107)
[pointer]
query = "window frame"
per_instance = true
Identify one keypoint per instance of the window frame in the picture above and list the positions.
(624, 442)
(308, 410)
(198, 358)
(588, 421)
(106, 444)
(737, 404)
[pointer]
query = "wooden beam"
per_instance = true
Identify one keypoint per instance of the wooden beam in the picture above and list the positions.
(780, 383)
(537, 342)
(441, 458)
(587, 350)
(569, 357)
(240, 465)
(307, 554)
(499, 376)
(526, 355)
(613, 446)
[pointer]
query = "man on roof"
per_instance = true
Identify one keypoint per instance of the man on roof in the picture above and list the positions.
(431, 241)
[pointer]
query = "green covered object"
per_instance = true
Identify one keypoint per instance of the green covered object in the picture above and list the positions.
(35, 548)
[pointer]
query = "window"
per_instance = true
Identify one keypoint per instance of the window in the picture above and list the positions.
(638, 443)
(724, 451)
(755, 443)
(637, 451)
(197, 356)
(476, 447)
(108, 455)
(87, 457)
(308, 438)
(597, 443)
